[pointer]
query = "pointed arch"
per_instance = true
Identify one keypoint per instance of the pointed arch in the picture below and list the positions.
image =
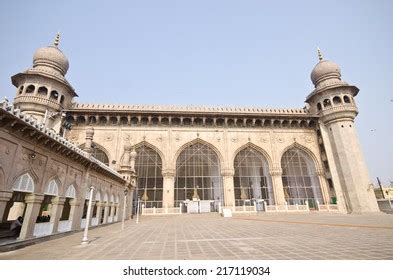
(255, 147)
(198, 173)
(148, 166)
(200, 141)
(105, 199)
(299, 177)
(24, 183)
(98, 196)
(2, 179)
(151, 146)
(99, 152)
(70, 192)
(252, 178)
(305, 150)
(52, 188)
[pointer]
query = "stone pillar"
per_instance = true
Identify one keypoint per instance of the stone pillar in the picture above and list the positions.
(130, 203)
(76, 213)
(117, 211)
(229, 189)
(324, 187)
(168, 195)
(278, 188)
(55, 214)
(5, 196)
(112, 211)
(33, 205)
(99, 212)
(93, 203)
(106, 213)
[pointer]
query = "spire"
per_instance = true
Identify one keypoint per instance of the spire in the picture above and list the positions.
(320, 54)
(57, 39)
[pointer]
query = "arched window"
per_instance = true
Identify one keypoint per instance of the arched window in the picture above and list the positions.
(299, 178)
(252, 179)
(148, 166)
(98, 153)
(43, 91)
(319, 106)
(347, 99)
(327, 103)
(20, 90)
(198, 175)
(24, 184)
(30, 89)
(54, 94)
(70, 193)
(337, 100)
(52, 188)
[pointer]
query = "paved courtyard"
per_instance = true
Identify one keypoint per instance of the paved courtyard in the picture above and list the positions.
(209, 236)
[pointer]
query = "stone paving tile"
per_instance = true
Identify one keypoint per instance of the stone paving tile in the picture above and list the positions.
(264, 236)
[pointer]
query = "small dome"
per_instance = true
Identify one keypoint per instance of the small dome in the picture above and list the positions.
(51, 57)
(325, 69)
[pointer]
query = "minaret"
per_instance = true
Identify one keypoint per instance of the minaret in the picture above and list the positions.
(42, 91)
(333, 100)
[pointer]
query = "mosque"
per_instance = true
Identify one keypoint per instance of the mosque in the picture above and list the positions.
(173, 159)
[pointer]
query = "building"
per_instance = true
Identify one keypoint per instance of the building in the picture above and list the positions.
(269, 159)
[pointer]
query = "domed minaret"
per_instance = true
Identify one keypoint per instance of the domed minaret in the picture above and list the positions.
(333, 100)
(43, 91)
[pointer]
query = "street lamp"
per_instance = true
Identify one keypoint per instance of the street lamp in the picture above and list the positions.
(85, 240)
(137, 211)
(124, 208)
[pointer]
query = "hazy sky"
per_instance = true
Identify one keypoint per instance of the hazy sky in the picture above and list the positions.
(239, 53)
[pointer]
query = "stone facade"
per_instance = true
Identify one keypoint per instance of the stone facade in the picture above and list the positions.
(230, 156)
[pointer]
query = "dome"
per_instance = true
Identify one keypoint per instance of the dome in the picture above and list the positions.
(325, 69)
(51, 57)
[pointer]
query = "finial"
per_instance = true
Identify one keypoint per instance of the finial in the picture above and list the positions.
(57, 39)
(320, 54)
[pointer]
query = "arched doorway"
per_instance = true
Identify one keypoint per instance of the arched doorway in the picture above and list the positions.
(252, 179)
(148, 166)
(198, 175)
(299, 178)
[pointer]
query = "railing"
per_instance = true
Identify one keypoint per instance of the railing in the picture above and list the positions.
(64, 226)
(41, 229)
(326, 207)
(94, 221)
(244, 209)
(287, 208)
(161, 211)
(110, 219)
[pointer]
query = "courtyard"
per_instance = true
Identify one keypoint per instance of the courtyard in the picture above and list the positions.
(210, 236)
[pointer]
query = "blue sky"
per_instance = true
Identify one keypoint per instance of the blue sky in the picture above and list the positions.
(239, 53)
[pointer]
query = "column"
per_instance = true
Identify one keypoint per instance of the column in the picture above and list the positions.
(76, 213)
(33, 205)
(106, 212)
(324, 187)
(93, 203)
(278, 188)
(117, 212)
(168, 195)
(99, 212)
(5, 196)
(112, 212)
(129, 206)
(57, 208)
(229, 190)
